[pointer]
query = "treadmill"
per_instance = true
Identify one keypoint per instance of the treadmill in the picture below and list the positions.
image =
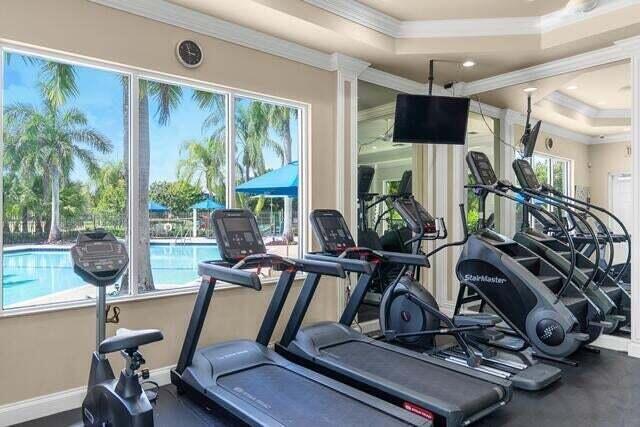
(247, 379)
(447, 393)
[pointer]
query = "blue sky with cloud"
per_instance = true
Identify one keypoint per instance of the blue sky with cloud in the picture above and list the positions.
(100, 98)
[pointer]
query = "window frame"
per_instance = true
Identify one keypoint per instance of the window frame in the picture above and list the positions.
(135, 74)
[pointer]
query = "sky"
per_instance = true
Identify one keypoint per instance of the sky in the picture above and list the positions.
(100, 98)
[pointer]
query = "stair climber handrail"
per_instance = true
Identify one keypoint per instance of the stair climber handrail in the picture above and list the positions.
(498, 189)
(606, 212)
(528, 193)
(549, 197)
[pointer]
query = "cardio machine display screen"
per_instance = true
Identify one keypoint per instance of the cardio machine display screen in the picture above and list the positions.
(481, 168)
(415, 215)
(237, 233)
(331, 230)
(525, 174)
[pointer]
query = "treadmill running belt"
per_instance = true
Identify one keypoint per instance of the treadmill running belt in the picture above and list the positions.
(295, 400)
(468, 394)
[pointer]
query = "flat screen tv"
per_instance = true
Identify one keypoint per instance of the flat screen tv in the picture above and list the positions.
(426, 119)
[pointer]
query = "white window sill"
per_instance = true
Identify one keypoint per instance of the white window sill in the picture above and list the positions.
(74, 305)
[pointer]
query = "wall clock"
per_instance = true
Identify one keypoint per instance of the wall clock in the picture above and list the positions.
(189, 53)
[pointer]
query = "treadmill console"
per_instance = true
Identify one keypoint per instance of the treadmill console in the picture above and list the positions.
(415, 215)
(237, 234)
(331, 231)
(481, 168)
(525, 174)
(99, 258)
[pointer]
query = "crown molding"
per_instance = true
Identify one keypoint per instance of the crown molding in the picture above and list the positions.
(585, 109)
(369, 17)
(632, 45)
(377, 112)
(360, 14)
(348, 64)
(570, 64)
(610, 139)
(392, 81)
(178, 16)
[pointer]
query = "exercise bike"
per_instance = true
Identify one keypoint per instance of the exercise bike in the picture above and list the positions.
(410, 316)
(100, 259)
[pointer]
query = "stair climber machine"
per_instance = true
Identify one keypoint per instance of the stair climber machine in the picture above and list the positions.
(245, 377)
(410, 316)
(541, 306)
(100, 259)
(447, 393)
(595, 276)
(582, 237)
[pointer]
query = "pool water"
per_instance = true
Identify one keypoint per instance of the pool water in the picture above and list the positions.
(32, 274)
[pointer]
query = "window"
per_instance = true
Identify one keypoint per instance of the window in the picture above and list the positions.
(69, 158)
(182, 164)
(63, 172)
(267, 138)
(481, 137)
(553, 171)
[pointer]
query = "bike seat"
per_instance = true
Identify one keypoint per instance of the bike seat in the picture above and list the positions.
(126, 339)
(480, 319)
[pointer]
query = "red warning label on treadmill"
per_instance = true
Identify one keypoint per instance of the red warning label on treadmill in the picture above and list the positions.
(418, 410)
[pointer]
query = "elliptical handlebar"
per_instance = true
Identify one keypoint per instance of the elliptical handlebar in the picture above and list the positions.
(465, 229)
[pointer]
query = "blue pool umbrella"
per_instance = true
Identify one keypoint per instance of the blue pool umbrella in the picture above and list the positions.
(281, 182)
(207, 204)
(157, 207)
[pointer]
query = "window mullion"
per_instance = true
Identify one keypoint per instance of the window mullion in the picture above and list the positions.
(1, 175)
(134, 183)
(231, 151)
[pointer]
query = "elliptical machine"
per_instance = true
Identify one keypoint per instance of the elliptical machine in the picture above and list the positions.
(100, 259)
(410, 316)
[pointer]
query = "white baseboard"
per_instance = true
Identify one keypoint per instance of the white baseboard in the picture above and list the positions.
(612, 342)
(634, 349)
(42, 406)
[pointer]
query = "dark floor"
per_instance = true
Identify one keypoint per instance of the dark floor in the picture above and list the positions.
(603, 391)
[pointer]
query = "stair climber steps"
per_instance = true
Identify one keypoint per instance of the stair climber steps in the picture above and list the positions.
(576, 305)
(528, 262)
(554, 283)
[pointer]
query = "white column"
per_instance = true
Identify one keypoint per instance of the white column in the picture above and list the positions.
(347, 71)
(632, 47)
(441, 209)
(508, 118)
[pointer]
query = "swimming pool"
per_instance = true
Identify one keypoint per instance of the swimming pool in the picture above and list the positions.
(34, 273)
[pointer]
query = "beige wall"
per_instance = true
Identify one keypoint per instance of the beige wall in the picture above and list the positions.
(49, 352)
(606, 159)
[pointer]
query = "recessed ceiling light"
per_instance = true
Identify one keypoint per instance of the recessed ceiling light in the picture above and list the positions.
(468, 63)
(572, 87)
(530, 89)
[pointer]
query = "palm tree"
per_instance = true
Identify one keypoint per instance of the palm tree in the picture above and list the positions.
(204, 163)
(167, 98)
(280, 118)
(49, 141)
(215, 123)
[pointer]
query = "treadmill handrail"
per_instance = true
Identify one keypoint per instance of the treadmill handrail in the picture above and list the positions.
(323, 268)
(225, 273)
(494, 190)
(608, 213)
(406, 259)
(348, 264)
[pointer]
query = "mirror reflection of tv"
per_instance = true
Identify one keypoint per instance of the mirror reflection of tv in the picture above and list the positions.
(529, 140)
(426, 119)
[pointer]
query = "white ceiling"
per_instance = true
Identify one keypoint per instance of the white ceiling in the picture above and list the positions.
(599, 105)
